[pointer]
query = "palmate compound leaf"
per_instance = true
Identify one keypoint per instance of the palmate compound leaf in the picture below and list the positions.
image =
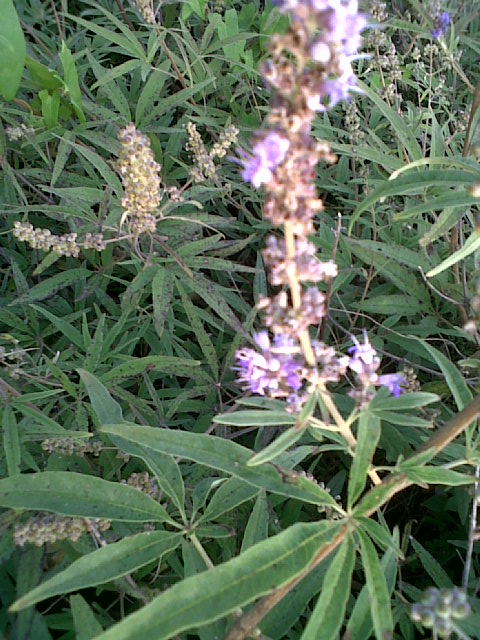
(103, 565)
(328, 614)
(211, 595)
(222, 455)
(75, 494)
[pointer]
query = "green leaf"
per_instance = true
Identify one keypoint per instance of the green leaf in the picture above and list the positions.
(402, 129)
(446, 220)
(369, 432)
(360, 624)
(12, 50)
(380, 535)
(116, 72)
(454, 378)
(11, 442)
(86, 625)
(277, 447)
(162, 291)
(182, 367)
(211, 294)
(220, 454)
(437, 475)
(470, 246)
(405, 401)
(64, 150)
(204, 341)
(71, 82)
(414, 183)
(257, 525)
(50, 107)
(229, 495)
(377, 588)
(384, 304)
(151, 90)
(432, 566)
(210, 595)
(42, 77)
(64, 327)
(127, 42)
(52, 285)
(450, 202)
(229, 29)
(76, 494)
(328, 614)
(380, 494)
(403, 255)
(254, 418)
(168, 474)
(106, 408)
(103, 565)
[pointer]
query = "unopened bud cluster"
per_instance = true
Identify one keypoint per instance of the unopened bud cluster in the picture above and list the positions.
(64, 245)
(142, 186)
(144, 483)
(439, 608)
(70, 447)
(45, 528)
(204, 167)
(12, 359)
(16, 133)
(145, 7)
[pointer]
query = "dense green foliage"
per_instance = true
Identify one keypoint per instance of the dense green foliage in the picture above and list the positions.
(117, 362)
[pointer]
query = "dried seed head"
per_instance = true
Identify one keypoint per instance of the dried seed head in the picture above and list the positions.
(141, 182)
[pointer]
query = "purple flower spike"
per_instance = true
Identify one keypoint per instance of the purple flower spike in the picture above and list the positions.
(267, 154)
(440, 25)
(392, 381)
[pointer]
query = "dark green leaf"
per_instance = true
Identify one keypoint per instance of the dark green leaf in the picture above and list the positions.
(377, 588)
(328, 614)
(104, 564)
(76, 494)
(220, 454)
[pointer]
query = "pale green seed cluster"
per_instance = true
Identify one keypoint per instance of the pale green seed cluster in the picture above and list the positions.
(12, 359)
(205, 168)
(64, 245)
(17, 133)
(45, 528)
(70, 447)
(141, 181)
(146, 9)
(144, 483)
(439, 608)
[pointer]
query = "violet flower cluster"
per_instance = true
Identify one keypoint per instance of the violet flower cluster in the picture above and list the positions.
(309, 71)
(441, 23)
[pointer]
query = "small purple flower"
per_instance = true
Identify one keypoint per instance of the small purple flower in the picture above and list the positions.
(267, 154)
(332, 91)
(392, 381)
(364, 360)
(273, 372)
(440, 25)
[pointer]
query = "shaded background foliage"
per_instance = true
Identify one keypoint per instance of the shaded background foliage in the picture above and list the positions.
(158, 328)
